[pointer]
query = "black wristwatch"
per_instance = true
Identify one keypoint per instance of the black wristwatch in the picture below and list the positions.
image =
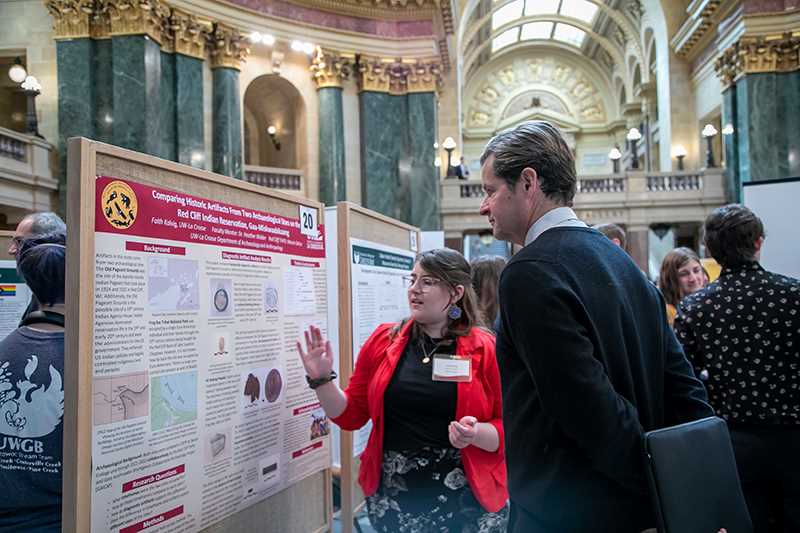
(314, 383)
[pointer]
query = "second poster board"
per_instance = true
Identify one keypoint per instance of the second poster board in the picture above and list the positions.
(371, 253)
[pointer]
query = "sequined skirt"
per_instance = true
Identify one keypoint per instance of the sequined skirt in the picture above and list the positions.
(426, 491)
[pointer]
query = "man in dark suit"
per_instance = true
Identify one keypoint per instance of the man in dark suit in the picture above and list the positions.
(587, 359)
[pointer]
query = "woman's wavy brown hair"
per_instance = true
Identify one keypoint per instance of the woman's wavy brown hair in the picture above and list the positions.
(453, 269)
(668, 278)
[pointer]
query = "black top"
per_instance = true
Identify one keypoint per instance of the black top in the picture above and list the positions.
(418, 410)
(742, 334)
(588, 363)
(31, 430)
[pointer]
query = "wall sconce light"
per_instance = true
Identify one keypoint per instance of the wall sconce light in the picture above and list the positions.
(449, 145)
(301, 46)
(437, 162)
(32, 89)
(634, 135)
(679, 152)
(615, 155)
(262, 38)
(709, 131)
(273, 135)
(17, 72)
(727, 129)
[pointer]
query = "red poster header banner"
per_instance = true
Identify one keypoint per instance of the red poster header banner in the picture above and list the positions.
(128, 208)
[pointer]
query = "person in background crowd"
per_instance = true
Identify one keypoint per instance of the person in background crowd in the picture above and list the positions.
(742, 334)
(588, 362)
(613, 233)
(32, 398)
(681, 274)
(485, 276)
(435, 457)
(462, 170)
(46, 227)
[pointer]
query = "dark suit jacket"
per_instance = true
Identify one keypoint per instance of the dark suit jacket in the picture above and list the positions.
(588, 363)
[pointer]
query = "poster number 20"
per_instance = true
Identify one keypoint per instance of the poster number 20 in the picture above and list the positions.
(308, 221)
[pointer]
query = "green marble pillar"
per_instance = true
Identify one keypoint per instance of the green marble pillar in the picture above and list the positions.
(103, 91)
(424, 183)
(227, 123)
(137, 93)
(767, 111)
(76, 101)
(190, 142)
(731, 146)
(332, 176)
(385, 165)
(166, 107)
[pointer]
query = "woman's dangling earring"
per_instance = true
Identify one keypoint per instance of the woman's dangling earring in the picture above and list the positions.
(454, 313)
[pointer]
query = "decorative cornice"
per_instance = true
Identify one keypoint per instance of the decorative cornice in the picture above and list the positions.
(754, 54)
(701, 13)
(137, 17)
(189, 34)
(376, 9)
(228, 47)
(71, 18)
(330, 69)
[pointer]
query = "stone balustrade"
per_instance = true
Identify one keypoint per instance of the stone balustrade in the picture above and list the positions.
(26, 177)
(286, 179)
(632, 198)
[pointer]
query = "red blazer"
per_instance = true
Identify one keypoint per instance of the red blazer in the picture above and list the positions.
(481, 398)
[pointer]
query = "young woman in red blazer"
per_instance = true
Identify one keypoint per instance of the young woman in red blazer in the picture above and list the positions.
(434, 460)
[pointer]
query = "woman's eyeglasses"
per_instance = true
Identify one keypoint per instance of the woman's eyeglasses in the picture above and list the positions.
(422, 283)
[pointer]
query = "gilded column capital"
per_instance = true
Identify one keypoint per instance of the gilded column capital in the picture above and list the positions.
(189, 34)
(71, 18)
(758, 54)
(137, 17)
(331, 69)
(382, 75)
(425, 76)
(228, 47)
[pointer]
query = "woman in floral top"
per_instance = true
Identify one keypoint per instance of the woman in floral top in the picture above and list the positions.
(434, 460)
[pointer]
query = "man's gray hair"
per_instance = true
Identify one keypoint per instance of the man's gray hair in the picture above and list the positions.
(46, 223)
(539, 145)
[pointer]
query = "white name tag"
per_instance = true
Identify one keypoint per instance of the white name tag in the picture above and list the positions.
(452, 368)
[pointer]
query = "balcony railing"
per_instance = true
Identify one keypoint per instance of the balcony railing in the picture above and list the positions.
(675, 182)
(591, 184)
(287, 179)
(13, 147)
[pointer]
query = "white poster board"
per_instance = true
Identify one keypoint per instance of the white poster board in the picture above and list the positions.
(14, 297)
(775, 203)
(378, 296)
(200, 406)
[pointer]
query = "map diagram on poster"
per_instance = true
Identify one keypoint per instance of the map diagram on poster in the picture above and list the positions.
(118, 398)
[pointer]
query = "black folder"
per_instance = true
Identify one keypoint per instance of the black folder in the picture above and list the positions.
(693, 479)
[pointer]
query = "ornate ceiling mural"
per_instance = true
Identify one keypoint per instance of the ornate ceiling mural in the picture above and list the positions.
(527, 86)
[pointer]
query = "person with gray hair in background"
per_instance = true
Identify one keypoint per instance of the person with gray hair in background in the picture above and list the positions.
(45, 227)
(587, 360)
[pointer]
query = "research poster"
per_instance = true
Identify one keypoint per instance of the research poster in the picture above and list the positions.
(14, 297)
(200, 405)
(378, 296)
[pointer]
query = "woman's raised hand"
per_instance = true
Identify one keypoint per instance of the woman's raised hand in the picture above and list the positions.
(318, 357)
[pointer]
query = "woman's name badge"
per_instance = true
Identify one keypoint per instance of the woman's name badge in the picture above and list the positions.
(452, 368)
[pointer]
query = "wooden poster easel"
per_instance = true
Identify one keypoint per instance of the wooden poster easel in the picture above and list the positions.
(356, 222)
(303, 507)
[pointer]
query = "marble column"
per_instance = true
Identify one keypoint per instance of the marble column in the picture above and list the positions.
(103, 91)
(731, 146)
(227, 122)
(424, 186)
(190, 49)
(383, 149)
(166, 108)
(329, 71)
(228, 51)
(137, 93)
(76, 101)
(332, 175)
(189, 122)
